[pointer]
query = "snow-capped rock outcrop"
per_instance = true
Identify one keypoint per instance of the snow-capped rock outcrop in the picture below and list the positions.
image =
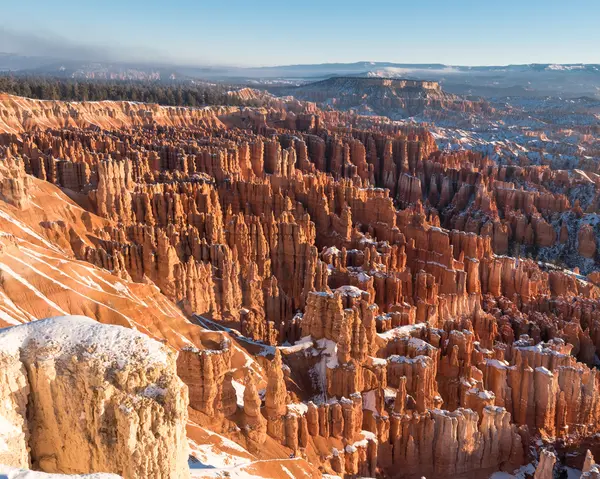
(16, 473)
(81, 397)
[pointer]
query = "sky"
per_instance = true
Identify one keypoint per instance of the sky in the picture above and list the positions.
(270, 32)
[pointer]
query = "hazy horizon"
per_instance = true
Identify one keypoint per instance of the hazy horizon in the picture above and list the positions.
(238, 34)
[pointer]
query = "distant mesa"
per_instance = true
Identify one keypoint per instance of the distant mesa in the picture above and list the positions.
(395, 98)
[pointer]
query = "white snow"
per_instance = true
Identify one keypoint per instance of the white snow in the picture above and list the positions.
(303, 343)
(210, 456)
(80, 333)
(64, 286)
(350, 290)
(518, 474)
(299, 409)
(27, 230)
(486, 395)
(89, 282)
(401, 331)
(363, 277)
(154, 391)
(496, 363)
(242, 471)
(326, 349)
(8, 270)
(329, 352)
(228, 443)
(379, 361)
(390, 393)
(239, 392)
(83, 281)
(368, 436)
(420, 345)
(287, 471)
(15, 473)
(158, 306)
(8, 319)
(6, 302)
(482, 394)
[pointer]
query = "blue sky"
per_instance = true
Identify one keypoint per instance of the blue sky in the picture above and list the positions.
(268, 32)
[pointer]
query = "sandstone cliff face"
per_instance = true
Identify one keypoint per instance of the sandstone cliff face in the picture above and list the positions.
(14, 393)
(19, 114)
(131, 405)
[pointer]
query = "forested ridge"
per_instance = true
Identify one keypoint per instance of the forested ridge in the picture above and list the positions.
(170, 94)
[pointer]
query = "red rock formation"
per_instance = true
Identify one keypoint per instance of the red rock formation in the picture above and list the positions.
(587, 241)
(255, 425)
(545, 467)
(276, 400)
(204, 373)
(346, 268)
(589, 462)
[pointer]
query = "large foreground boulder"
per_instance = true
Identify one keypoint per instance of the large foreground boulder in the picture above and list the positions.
(80, 397)
(16, 473)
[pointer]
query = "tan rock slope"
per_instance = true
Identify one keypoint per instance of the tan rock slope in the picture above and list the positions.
(338, 289)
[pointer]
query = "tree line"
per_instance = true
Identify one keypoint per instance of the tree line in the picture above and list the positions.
(170, 94)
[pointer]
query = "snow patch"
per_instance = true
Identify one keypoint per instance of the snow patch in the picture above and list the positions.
(299, 409)
(524, 471)
(239, 392)
(402, 331)
(15, 473)
(67, 335)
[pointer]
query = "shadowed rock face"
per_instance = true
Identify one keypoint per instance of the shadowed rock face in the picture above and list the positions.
(364, 312)
(87, 397)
